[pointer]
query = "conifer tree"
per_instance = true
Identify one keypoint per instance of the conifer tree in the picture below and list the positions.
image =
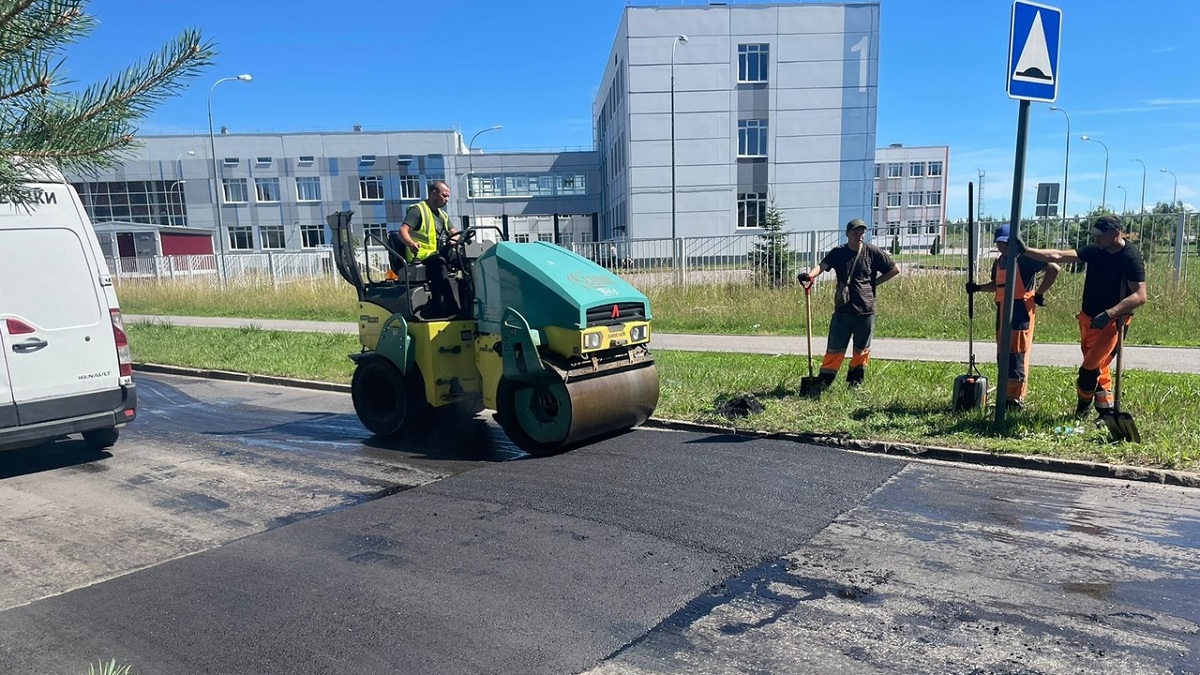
(42, 126)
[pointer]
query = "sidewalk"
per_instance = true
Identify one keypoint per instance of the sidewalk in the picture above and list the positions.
(1163, 359)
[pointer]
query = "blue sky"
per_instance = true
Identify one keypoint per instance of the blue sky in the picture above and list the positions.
(1125, 79)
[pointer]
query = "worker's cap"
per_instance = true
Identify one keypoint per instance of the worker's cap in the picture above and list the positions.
(856, 224)
(1002, 234)
(1106, 223)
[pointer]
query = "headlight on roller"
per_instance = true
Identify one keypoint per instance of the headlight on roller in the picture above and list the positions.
(591, 340)
(637, 333)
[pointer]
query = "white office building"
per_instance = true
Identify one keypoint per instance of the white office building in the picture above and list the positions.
(910, 195)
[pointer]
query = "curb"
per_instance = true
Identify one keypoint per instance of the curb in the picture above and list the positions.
(893, 448)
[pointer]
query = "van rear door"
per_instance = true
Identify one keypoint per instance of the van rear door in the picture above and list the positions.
(54, 315)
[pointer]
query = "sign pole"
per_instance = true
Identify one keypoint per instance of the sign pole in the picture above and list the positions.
(1003, 357)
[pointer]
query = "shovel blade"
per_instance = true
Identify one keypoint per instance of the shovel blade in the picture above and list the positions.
(1122, 427)
(811, 387)
(970, 392)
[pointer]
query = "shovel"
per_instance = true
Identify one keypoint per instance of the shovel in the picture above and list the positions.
(971, 389)
(1120, 424)
(810, 386)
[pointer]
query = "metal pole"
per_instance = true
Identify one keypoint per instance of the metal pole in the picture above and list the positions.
(674, 230)
(1174, 188)
(1066, 170)
(1010, 280)
(471, 167)
(217, 187)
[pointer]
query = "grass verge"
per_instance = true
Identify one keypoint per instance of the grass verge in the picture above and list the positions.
(900, 401)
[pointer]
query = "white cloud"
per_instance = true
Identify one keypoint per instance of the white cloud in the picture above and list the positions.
(1173, 101)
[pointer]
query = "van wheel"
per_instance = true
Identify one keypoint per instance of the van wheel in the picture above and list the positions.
(101, 438)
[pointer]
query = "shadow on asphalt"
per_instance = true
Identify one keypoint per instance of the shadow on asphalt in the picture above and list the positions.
(51, 455)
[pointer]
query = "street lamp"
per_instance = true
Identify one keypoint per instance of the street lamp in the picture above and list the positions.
(675, 43)
(1124, 199)
(1175, 189)
(170, 209)
(471, 166)
(1143, 184)
(217, 188)
(1066, 167)
(1104, 190)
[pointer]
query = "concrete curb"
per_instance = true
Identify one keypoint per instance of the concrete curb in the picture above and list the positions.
(955, 455)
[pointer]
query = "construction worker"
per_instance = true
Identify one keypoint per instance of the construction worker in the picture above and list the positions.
(1113, 286)
(427, 235)
(1026, 300)
(860, 268)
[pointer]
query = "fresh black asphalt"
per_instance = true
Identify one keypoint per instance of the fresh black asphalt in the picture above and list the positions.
(528, 566)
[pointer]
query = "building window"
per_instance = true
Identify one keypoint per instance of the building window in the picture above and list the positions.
(565, 239)
(236, 191)
(752, 138)
(410, 187)
(893, 199)
(933, 198)
(546, 236)
(893, 227)
(272, 237)
(522, 238)
(752, 209)
(374, 233)
(312, 236)
(307, 159)
(915, 198)
(878, 170)
(935, 168)
(752, 62)
(916, 169)
(895, 170)
(876, 200)
(931, 226)
(516, 186)
(308, 188)
(914, 227)
(572, 184)
(370, 188)
(266, 189)
(241, 238)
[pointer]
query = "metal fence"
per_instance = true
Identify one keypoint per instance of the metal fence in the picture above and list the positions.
(763, 259)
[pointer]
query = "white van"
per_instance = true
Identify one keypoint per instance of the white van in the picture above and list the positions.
(65, 365)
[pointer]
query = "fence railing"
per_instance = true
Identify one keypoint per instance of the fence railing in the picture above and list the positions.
(764, 259)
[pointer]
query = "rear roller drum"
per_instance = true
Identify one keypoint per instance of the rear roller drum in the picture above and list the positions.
(386, 401)
(547, 417)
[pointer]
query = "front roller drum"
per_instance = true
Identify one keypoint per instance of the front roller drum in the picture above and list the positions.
(544, 418)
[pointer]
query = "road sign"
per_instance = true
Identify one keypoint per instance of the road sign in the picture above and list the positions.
(1033, 46)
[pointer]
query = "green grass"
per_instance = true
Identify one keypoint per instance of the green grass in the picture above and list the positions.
(901, 401)
(918, 305)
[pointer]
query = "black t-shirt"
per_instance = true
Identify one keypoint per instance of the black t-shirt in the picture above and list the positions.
(1108, 275)
(873, 262)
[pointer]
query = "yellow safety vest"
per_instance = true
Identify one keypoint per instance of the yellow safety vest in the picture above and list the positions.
(426, 234)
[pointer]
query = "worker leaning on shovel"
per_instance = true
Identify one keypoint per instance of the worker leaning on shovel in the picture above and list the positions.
(1026, 300)
(860, 268)
(1113, 286)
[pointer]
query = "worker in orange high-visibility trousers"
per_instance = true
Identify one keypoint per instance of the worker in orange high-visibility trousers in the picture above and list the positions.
(1026, 300)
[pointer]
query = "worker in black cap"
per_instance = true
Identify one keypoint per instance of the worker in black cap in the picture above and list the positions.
(860, 268)
(1113, 286)
(1026, 299)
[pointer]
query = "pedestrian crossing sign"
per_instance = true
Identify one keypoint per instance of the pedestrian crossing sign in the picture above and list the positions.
(1033, 48)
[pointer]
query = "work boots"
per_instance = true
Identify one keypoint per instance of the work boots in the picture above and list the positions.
(854, 377)
(1082, 407)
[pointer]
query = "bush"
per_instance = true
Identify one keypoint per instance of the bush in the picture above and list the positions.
(895, 245)
(936, 247)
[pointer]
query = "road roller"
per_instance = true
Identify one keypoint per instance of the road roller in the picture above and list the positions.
(555, 344)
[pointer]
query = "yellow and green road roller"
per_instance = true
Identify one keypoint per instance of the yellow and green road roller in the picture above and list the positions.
(555, 344)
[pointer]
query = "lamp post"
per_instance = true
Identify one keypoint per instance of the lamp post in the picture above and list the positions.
(674, 230)
(471, 165)
(1104, 190)
(678, 39)
(217, 189)
(1066, 168)
(1175, 189)
(178, 172)
(1124, 199)
(1143, 208)
(170, 209)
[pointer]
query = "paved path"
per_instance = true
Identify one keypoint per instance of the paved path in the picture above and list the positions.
(1163, 359)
